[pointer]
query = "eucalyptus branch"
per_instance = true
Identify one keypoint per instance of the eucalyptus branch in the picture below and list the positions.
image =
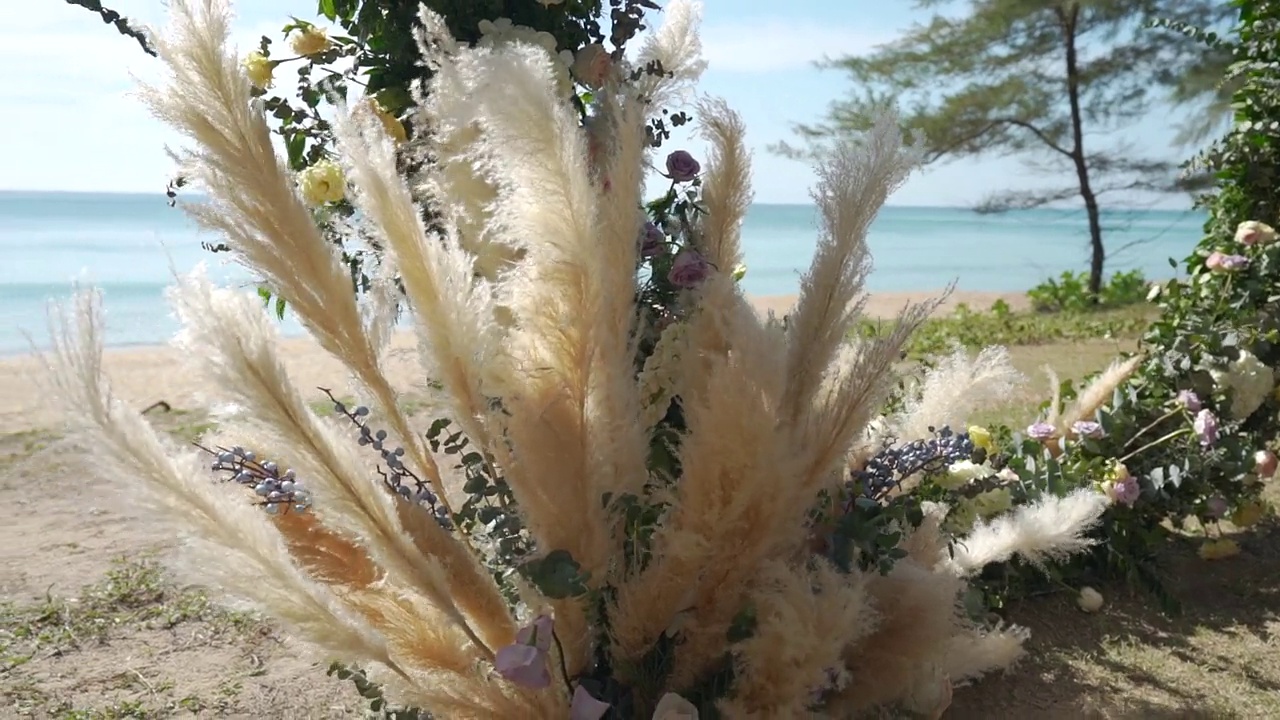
(122, 23)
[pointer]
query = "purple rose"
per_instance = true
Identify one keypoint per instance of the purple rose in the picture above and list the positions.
(523, 665)
(1189, 400)
(653, 241)
(688, 269)
(1127, 491)
(1041, 431)
(585, 707)
(681, 167)
(1206, 426)
(1087, 429)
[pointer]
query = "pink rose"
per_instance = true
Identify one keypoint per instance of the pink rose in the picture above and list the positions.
(1253, 232)
(688, 269)
(681, 167)
(591, 65)
(524, 662)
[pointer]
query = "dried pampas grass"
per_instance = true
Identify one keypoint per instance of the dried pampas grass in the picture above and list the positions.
(536, 363)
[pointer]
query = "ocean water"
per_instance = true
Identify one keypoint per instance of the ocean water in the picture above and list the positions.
(129, 246)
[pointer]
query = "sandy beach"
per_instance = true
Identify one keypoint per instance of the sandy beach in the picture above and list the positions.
(146, 375)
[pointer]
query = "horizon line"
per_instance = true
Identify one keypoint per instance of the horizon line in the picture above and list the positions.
(139, 194)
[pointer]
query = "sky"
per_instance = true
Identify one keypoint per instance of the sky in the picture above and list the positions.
(68, 122)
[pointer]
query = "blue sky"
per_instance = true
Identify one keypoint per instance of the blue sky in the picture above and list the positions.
(67, 121)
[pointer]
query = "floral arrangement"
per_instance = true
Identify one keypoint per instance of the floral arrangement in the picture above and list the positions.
(637, 502)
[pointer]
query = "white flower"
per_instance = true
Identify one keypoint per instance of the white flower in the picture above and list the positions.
(1090, 600)
(1008, 474)
(657, 378)
(962, 473)
(322, 183)
(1253, 232)
(674, 707)
(993, 502)
(258, 68)
(501, 31)
(1250, 382)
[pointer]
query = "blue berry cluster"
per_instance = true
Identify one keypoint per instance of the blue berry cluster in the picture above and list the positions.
(894, 463)
(402, 481)
(278, 490)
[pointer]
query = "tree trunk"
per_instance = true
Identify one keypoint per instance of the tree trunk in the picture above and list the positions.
(1098, 253)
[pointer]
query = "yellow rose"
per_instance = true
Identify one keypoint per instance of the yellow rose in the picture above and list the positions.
(1117, 472)
(1219, 549)
(981, 437)
(390, 123)
(259, 69)
(322, 183)
(1248, 514)
(309, 41)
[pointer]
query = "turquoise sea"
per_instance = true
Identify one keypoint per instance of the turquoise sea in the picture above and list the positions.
(128, 244)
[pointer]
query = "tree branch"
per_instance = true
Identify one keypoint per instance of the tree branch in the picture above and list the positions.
(992, 125)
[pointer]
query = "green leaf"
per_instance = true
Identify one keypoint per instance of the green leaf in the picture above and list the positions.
(557, 576)
(328, 10)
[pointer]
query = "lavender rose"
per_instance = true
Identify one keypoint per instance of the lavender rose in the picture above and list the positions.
(1127, 491)
(1087, 429)
(653, 241)
(1189, 400)
(1041, 431)
(681, 167)
(688, 269)
(1206, 426)
(1221, 262)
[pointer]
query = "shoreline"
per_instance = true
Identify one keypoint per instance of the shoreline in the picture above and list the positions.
(144, 374)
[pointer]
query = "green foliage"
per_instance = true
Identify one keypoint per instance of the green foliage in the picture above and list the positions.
(372, 692)
(1000, 325)
(1070, 292)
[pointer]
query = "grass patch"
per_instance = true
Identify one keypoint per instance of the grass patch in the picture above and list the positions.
(23, 444)
(1001, 326)
(133, 593)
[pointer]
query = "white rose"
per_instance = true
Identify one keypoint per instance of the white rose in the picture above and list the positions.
(962, 473)
(1090, 600)
(674, 707)
(993, 502)
(1250, 382)
(322, 183)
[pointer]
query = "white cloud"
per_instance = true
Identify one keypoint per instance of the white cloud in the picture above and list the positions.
(778, 44)
(68, 117)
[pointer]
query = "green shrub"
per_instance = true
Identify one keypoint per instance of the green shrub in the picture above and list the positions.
(1070, 292)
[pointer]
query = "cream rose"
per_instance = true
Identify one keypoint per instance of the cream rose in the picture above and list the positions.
(322, 183)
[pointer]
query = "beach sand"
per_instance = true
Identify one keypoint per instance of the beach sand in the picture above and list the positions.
(151, 374)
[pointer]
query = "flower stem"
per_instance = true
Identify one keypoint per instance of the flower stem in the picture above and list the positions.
(1156, 422)
(564, 668)
(1155, 442)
